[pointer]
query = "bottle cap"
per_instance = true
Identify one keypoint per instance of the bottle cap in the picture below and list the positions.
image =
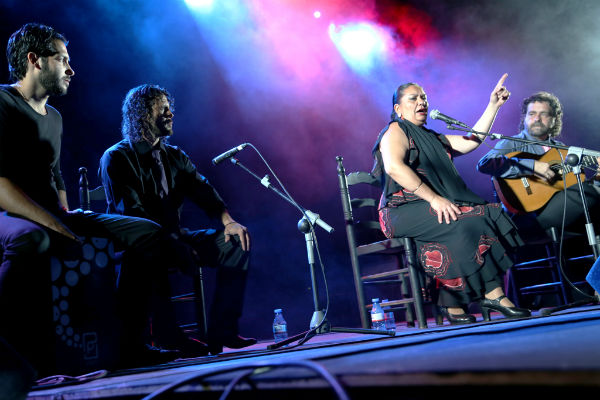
(375, 300)
(277, 310)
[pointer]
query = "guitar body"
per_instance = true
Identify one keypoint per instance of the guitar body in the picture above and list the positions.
(530, 193)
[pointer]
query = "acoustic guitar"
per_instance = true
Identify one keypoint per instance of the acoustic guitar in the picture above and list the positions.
(530, 193)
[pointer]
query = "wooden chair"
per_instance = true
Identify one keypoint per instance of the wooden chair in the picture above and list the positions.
(86, 198)
(537, 271)
(405, 275)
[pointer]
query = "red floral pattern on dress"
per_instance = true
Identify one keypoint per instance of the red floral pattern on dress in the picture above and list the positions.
(385, 224)
(453, 284)
(435, 259)
(467, 211)
(485, 242)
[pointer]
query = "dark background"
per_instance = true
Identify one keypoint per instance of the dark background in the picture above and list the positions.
(267, 73)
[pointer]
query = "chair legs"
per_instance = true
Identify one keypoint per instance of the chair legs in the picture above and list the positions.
(200, 304)
(414, 282)
(410, 318)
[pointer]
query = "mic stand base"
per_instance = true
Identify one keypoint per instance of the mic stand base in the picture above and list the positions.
(549, 311)
(315, 321)
(325, 328)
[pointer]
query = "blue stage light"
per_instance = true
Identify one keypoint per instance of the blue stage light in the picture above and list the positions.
(360, 44)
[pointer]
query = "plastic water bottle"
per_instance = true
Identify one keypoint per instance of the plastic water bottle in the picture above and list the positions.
(279, 326)
(377, 316)
(388, 314)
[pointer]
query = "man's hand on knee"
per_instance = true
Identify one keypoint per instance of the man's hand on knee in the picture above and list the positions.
(234, 228)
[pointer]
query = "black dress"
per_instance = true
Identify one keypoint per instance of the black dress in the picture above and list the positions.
(466, 257)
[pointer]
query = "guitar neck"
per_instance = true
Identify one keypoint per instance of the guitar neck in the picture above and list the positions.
(590, 161)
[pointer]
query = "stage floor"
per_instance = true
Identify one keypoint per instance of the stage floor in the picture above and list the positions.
(552, 355)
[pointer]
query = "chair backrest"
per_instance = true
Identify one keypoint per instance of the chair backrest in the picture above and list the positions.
(361, 213)
(86, 196)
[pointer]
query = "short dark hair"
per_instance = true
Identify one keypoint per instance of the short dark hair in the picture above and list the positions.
(399, 93)
(32, 37)
(555, 110)
(137, 108)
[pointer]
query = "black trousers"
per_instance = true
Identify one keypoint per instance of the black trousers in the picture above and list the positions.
(552, 213)
(208, 248)
(25, 298)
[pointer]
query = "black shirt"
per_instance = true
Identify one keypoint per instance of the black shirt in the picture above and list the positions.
(132, 186)
(30, 148)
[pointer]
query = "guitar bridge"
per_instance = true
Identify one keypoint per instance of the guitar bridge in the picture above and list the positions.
(525, 182)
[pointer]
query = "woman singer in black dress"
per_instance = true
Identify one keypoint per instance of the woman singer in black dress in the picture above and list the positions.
(461, 240)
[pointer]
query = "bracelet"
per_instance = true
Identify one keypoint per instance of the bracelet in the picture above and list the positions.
(474, 137)
(229, 223)
(418, 187)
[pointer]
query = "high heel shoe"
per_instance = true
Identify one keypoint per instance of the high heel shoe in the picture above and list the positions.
(457, 319)
(508, 312)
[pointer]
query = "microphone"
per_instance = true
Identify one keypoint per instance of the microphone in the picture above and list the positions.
(228, 154)
(435, 114)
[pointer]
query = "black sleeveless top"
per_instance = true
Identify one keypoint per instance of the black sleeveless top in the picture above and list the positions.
(429, 156)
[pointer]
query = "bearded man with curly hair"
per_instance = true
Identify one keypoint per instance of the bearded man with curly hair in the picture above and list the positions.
(144, 176)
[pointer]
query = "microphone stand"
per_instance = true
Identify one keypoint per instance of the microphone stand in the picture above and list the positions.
(574, 158)
(318, 322)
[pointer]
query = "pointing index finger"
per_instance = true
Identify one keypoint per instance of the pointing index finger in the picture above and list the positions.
(501, 81)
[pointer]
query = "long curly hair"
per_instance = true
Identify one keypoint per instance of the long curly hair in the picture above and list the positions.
(137, 110)
(32, 37)
(555, 110)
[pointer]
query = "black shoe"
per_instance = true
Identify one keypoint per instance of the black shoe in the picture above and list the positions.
(147, 356)
(508, 312)
(234, 342)
(457, 319)
(239, 342)
(191, 348)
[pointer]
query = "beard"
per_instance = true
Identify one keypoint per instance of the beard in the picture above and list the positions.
(51, 82)
(158, 131)
(538, 130)
(163, 130)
